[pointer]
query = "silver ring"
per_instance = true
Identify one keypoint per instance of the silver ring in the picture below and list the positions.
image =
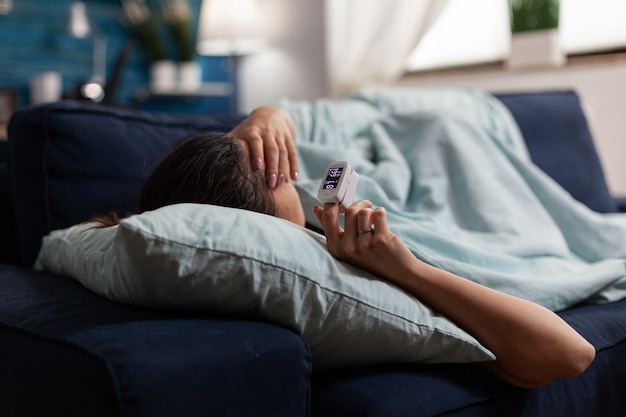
(360, 232)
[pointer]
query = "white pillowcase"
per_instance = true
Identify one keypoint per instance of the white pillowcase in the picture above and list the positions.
(222, 260)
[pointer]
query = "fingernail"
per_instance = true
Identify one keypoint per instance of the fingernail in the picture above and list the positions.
(295, 175)
(258, 163)
(281, 179)
(271, 181)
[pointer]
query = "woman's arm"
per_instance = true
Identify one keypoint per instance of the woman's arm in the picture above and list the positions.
(271, 133)
(533, 346)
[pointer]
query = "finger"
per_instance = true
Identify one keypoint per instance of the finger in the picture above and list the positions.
(283, 163)
(380, 220)
(365, 219)
(292, 155)
(354, 217)
(271, 161)
(256, 151)
(255, 144)
(317, 210)
(330, 224)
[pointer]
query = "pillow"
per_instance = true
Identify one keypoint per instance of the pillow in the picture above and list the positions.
(223, 260)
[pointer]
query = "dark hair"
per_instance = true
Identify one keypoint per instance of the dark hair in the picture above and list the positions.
(207, 168)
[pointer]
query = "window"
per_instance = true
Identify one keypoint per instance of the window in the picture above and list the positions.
(589, 26)
(473, 32)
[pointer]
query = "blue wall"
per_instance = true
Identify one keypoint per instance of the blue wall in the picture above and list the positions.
(34, 38)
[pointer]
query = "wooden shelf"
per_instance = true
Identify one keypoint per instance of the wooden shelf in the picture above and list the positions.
(210, 89)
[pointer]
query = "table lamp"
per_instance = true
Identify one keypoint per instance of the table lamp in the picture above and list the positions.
(229, 28)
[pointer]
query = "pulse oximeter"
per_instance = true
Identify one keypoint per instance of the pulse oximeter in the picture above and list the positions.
(339, 184)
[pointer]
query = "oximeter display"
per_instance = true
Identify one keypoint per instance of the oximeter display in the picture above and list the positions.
(332, 179)
(339, 184)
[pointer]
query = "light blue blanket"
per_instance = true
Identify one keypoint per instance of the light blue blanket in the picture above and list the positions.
(451, 168)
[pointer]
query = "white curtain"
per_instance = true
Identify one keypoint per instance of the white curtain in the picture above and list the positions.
(369, 41)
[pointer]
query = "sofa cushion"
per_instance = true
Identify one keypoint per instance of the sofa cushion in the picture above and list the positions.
(70, 161)
(225, 260)
(468, 390)
(558, 138)
(69, 352)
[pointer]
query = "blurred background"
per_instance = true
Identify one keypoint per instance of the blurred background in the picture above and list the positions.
(181, 56)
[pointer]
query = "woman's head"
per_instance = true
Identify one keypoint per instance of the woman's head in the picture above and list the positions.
(212, 168)
(208, 168)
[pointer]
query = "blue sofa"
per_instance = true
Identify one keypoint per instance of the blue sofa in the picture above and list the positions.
(65, 351)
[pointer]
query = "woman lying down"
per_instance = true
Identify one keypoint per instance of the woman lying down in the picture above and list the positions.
(255, 167)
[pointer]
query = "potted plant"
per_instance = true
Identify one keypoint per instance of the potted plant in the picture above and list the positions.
(177, 16)
(163, 71)
(535, 38)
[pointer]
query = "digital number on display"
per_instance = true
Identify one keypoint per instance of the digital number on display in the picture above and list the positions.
(333, 178)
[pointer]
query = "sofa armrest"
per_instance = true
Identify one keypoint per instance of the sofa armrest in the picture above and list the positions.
(74, 353)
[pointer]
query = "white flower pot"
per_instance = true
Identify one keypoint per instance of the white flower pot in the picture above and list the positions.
(163, 76)
(189, 76)
(46, 87)
(539, 48)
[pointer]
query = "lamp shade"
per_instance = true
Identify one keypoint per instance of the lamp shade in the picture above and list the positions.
(229, 27)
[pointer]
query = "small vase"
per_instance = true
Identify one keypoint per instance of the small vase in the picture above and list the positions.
(163, 76)
(189, 76)
(539, 48)
(46, 87)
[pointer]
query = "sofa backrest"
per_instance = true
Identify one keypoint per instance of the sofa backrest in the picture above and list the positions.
(560, 142)
(69, 161)
(8, 249)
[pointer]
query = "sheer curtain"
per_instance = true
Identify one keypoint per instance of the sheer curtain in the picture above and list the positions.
(369, 41)
(464, 35)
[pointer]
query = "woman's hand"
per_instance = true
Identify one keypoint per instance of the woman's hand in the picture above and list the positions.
(270, 132)
(366, 240)
(533, 346)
